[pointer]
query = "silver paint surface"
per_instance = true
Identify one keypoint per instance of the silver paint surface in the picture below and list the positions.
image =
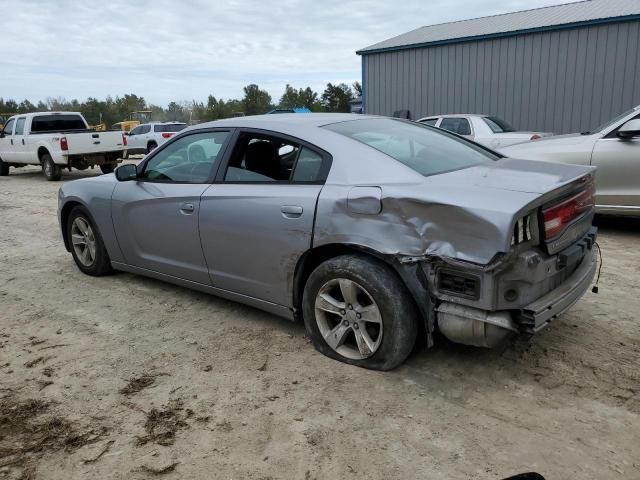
(239, 243)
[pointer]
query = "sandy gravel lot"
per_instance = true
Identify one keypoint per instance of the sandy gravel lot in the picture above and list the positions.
(125, 377)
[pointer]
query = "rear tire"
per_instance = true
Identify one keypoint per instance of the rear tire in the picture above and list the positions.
(108, 167)
(375, 328)
(151, 146)
(87, 247)
(51, 171)
(4, 169)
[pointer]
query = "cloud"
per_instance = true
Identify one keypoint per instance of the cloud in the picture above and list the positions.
(180, 50)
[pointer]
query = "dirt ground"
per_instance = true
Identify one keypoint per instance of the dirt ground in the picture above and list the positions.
(124, 377)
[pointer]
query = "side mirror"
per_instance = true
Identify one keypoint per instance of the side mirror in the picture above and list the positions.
(630, 129)
(127, 172)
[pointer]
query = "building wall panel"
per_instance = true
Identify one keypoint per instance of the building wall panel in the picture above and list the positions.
(560, 81)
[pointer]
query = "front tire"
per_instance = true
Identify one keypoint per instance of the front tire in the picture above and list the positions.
(4, 169)
(357, 310)
(108, 167)
(51, 171)
(86, 243)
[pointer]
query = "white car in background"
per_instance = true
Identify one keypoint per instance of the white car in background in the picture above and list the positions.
(147, 136)
(613, 147)
(490, 131)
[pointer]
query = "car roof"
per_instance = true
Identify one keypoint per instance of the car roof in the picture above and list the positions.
(353, 161)
(278, 121)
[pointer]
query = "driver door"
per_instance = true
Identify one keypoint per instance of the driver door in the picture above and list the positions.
(156, 216)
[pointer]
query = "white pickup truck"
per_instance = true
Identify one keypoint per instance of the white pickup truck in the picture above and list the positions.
(57, 140)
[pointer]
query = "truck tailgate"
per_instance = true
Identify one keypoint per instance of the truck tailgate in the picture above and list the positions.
(83, 143)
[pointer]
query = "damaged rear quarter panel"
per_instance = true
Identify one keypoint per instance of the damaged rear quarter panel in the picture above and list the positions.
(467, 214)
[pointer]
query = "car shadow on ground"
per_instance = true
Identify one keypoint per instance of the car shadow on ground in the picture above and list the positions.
(613, 224)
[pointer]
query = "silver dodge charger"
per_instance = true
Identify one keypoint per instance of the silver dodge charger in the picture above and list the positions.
(371, 230)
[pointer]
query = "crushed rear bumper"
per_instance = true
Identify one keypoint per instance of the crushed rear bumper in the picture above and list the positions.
(540, 313)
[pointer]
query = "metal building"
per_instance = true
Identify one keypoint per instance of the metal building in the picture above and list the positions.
(562, 69)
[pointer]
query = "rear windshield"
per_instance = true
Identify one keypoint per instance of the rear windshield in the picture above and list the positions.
(57, 123)
(497, 125)
(426, 150)
(169, 127)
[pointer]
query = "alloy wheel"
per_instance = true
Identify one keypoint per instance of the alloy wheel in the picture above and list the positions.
(84, 241)
(348, 318)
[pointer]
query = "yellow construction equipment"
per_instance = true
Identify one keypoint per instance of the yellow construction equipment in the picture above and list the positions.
(135, 119)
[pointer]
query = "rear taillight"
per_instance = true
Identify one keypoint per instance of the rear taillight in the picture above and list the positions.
(64, 146)
(167, 135)
(535, 136)
(558, 217)
(124, 140)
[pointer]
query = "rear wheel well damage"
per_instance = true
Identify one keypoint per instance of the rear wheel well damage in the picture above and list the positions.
(410, 274)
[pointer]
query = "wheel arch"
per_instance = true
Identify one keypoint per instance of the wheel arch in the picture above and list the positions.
(64, 218)
(42, 151)
(410, 274)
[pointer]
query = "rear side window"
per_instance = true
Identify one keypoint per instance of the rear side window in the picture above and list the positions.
(259, 158)
(57, 123)
(428, 151)
(20, 126)
(144, 129)
(307, 167)
(456, 125)
(498, 125)
(169, 127)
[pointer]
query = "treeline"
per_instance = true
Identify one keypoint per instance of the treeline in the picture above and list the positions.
(335, 98)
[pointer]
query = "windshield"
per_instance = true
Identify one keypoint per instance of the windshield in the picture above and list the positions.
(57, 123)
(606, 125)
(497, 125)
(426, 150)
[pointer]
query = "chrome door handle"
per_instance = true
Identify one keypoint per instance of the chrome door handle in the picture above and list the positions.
(291, 211)
(187, 208)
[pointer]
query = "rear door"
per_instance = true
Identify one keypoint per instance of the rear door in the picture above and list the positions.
(156, 217)
(618, 174)
(257, 219)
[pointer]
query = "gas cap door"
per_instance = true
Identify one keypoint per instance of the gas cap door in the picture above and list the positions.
(365, 200)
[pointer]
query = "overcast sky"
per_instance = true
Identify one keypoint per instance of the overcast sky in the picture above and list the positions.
(178, 50)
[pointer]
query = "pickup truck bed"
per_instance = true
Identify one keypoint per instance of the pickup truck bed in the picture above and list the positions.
(57, 140)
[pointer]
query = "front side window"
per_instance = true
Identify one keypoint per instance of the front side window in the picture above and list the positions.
(456, 125)
(20, 126)
(136, 131)
(427, 151)
(497, 125)
(189, 159)
(265, 158)
(8, 128)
